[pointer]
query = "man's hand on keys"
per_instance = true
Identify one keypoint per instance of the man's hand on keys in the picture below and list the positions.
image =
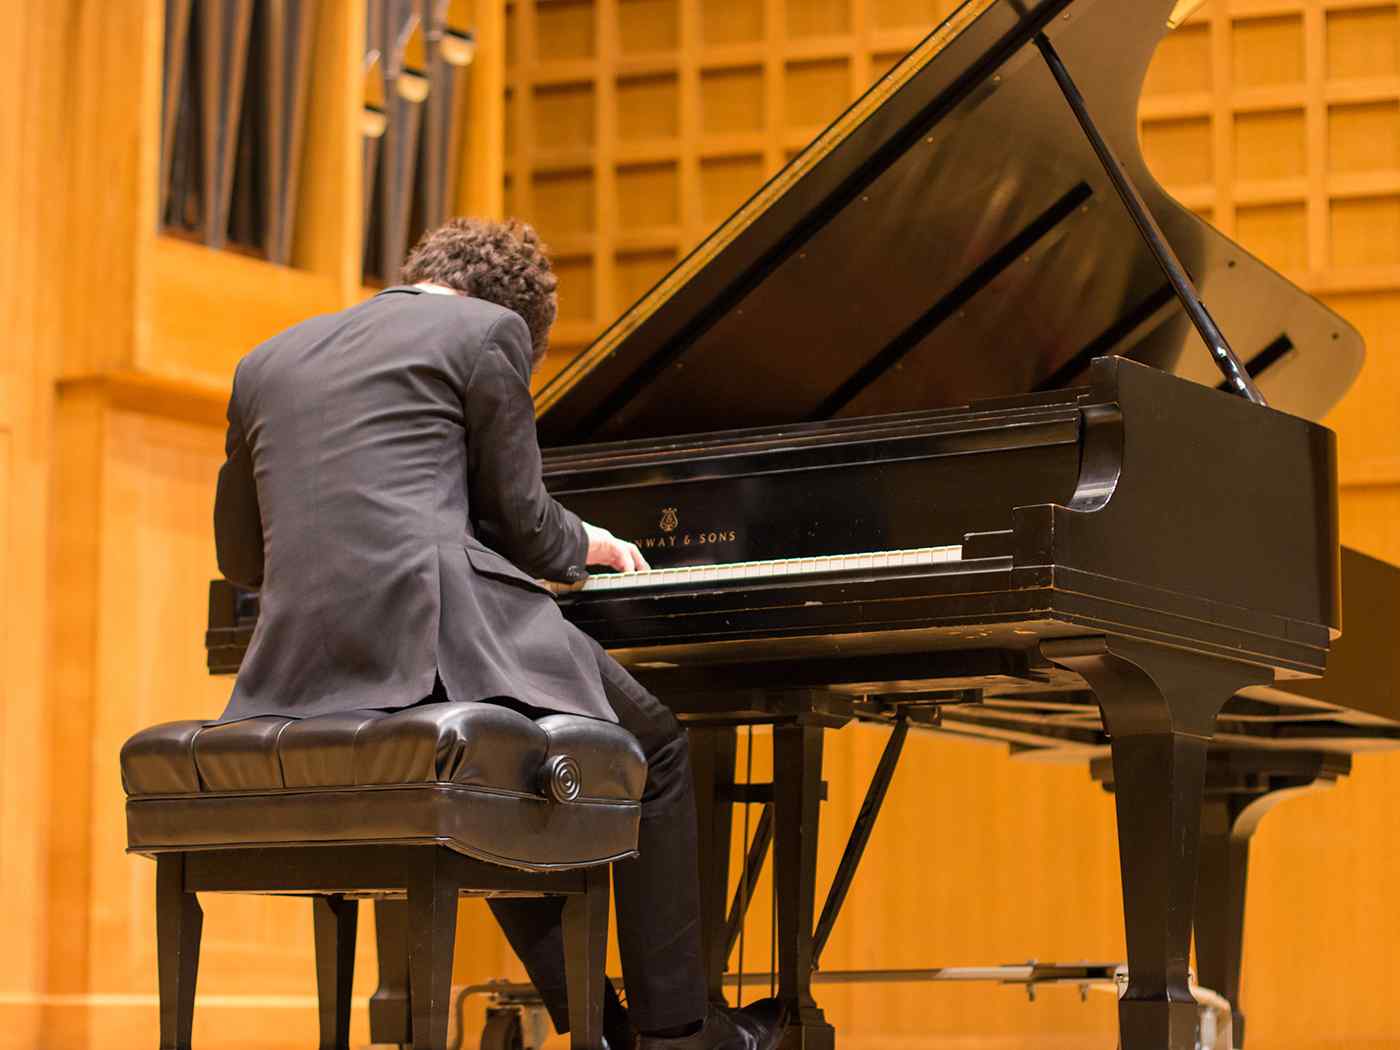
(606, 549)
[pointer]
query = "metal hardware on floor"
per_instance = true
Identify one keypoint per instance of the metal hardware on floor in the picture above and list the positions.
(516, 1018)
(759, 845)
(1029, 974)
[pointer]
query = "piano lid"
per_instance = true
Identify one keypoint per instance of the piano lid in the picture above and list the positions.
(950, 237)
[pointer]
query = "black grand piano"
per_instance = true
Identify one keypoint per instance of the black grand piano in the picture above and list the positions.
(936, 431)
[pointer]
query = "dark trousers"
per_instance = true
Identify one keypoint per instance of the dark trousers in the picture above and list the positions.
(657, 894)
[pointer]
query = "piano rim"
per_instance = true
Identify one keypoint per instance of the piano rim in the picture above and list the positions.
(957, 596)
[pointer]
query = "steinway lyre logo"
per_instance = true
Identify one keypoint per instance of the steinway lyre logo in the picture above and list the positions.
(669, 519)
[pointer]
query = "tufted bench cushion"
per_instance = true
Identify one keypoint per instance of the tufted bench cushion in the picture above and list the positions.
(484, 780)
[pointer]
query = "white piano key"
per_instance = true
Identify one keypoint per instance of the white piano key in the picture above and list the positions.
(788, 568)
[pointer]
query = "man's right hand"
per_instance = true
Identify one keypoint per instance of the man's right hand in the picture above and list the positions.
(606, 549)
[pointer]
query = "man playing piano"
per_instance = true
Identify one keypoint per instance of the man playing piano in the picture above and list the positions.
(383, 491)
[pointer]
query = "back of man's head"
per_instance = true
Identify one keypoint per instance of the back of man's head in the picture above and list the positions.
(502, 262)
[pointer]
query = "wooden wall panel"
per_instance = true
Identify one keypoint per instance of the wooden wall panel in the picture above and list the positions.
(33, 198)
(205, 309)
(1368, 445)
(978, 860)
(110, 120)
(17, 826)
(1295, 104)
(157, 485)
(481, 184)
(1321, 929)
(1371, 522)
(71, 692)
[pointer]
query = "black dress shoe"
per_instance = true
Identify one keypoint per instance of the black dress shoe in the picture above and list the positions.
(764, 1019)
(757, 1026)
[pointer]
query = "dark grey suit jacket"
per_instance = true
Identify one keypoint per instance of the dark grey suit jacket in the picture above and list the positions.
(382, 491)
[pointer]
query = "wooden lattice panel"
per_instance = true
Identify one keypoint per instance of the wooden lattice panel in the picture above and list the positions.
(635, 126)
(1279, 121)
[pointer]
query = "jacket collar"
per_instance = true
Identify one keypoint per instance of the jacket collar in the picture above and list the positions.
(521, 363)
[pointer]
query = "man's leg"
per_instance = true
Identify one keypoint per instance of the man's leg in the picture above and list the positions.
(657, 893)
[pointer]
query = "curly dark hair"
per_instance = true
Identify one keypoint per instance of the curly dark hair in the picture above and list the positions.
(502, 262)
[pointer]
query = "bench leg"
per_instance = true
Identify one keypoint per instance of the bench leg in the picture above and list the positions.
(389, 1020)
(179, 922)
(585, 955)
(432, 930)
(336, 922)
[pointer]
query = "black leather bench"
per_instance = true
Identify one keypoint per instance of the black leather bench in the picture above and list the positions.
(427, 803)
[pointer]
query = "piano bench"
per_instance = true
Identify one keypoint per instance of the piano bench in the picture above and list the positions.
(426, 803)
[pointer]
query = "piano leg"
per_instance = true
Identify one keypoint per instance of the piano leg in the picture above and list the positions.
(1240, 788)
(389, 1017)
(797, 794)
(1220, 907)
(712, 752)
(1159, 706)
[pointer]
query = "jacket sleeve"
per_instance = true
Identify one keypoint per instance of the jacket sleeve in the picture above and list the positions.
(238, 538)
(512, 511)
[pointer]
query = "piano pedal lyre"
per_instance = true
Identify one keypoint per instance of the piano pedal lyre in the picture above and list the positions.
(758, 846)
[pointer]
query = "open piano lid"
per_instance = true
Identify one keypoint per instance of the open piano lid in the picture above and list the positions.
(950, 237)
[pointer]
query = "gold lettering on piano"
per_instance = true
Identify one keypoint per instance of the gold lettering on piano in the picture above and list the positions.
(670, 521)
(689, 539)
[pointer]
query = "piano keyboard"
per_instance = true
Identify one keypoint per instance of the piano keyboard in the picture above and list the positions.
(705, 575)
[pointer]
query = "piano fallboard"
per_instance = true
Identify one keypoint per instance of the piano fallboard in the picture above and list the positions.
(798, 492)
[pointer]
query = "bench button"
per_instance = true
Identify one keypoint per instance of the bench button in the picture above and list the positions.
(560, 778)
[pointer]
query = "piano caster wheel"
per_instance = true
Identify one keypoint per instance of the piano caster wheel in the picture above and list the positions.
(503, 1029)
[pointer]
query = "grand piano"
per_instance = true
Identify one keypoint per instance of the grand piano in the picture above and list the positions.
(961, 423)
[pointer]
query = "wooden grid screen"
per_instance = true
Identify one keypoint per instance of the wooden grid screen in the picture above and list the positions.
(633, 127)
(1279, 121)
